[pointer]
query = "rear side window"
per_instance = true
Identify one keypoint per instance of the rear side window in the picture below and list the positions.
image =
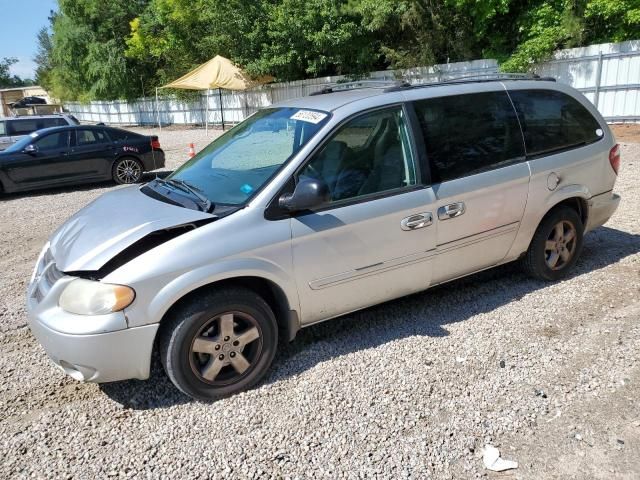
(91, 137)
(3, 129)
(553, 121)
(469, 134)
(52, 122)
(22, 127)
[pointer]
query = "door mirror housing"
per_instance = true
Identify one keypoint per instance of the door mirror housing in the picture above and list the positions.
(309, 193)
(30, 149)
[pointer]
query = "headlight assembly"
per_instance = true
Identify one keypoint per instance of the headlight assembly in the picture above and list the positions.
(87, 297)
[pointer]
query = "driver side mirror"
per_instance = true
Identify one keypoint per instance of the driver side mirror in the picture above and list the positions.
(30, 149)
(309, 193)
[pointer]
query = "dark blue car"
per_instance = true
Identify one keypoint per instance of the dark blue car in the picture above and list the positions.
(77, 154)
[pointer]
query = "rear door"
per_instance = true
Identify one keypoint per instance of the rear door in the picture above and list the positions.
(93, 152)
(373, 240)
(479, 176)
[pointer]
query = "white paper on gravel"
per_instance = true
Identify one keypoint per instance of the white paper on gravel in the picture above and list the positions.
(493, 462)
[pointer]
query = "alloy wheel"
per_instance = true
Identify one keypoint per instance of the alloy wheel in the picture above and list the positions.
(560, 245)
(128, 171)
(226, 348)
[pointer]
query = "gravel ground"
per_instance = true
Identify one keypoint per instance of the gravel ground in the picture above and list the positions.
(548, 373)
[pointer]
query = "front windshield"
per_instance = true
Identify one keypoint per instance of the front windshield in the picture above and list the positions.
(238, 163)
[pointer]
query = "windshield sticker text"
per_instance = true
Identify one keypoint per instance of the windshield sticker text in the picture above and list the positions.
(309, 116)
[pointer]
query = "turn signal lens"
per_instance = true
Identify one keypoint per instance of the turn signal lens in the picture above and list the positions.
(87, 297)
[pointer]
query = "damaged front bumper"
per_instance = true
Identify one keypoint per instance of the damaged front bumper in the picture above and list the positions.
(96, 348)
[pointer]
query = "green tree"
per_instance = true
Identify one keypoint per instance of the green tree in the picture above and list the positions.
(310, 38)
(43, 57)
(88, 54)
(7, 80)
(124, 48)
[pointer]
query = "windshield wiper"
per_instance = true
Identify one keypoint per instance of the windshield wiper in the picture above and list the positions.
(205, 203)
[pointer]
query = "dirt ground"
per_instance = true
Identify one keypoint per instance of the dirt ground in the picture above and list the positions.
(627, 132)
(547, 372)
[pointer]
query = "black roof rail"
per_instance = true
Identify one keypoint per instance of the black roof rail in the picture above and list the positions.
(397, 85)
(489, 77)
(357, 84)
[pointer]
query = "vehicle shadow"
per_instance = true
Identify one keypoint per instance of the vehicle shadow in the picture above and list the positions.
(84, 187)
(422, 314)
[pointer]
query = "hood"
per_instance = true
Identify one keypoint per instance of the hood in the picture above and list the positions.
(110, 224)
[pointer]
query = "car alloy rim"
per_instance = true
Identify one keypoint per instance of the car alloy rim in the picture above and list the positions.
(226, 348)
(560, 245)
(128, 171)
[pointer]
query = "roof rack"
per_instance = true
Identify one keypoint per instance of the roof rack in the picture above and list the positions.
(397, 85)
(489, 77)
(357, 84)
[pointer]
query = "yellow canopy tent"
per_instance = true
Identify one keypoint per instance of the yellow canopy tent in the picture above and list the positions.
(219, 72)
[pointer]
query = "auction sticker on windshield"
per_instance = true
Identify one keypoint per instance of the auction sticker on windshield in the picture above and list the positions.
(309, 116)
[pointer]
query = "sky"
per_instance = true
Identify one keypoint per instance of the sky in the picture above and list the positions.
(22, 20)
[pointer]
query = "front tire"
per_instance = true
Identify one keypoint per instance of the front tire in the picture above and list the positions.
(555, 246)
(219, 344)
(127, 170)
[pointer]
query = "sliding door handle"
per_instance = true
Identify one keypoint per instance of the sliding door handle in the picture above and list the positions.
(419, 220)
(452, 210)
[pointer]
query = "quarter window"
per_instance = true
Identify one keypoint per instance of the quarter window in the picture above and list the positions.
(3, 130)
(469, 134)
(369, 154)
(553, 120)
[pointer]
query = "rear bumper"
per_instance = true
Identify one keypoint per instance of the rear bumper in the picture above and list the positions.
(153, 160)
(601, 208)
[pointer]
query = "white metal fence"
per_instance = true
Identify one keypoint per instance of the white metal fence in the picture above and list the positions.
(608, 74)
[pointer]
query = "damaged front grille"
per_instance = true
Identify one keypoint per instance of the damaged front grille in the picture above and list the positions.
(47, 274)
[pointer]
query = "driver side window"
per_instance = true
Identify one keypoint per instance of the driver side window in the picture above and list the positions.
(369, 154)
(53, 141)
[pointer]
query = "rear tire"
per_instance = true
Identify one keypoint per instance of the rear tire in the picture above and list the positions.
(219, 344)
(555, 246)
(127, 170)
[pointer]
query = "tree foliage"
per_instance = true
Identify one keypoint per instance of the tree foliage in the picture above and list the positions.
(124, 48)
(7, 80)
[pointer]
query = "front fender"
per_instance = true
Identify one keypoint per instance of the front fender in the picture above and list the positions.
(152, 307)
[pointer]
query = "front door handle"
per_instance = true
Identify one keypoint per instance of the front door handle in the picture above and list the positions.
(452, 210)
(419, 220)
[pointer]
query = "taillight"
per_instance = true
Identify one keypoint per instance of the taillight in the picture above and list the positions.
(155, 143)
(614, 158)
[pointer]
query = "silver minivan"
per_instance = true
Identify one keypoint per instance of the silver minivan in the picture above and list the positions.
(316, 207)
